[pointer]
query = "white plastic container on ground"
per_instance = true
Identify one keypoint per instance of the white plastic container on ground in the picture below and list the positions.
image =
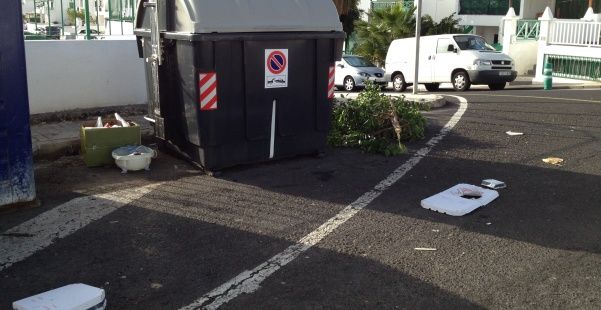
(133, 158)
(71, 297)
(460, 199)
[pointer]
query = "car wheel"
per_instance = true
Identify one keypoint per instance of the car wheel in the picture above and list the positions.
(349, 83)
(497, 86)
(461, 81)
(398, 83)
(432, 86)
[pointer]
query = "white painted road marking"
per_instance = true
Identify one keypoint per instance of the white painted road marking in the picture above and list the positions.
(249, 281)
(34, 235)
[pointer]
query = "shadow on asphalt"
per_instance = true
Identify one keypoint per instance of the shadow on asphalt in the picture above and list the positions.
(146, 258)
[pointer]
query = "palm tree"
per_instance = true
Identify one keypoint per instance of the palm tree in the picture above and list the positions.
(384, 26)
(349, 13)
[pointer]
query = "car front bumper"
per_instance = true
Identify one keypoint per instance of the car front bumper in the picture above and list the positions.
(376, 80)
(492, 76)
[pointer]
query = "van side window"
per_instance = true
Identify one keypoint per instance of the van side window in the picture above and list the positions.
(443, 46)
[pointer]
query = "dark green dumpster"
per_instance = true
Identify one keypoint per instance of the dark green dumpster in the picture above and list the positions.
(234, 82)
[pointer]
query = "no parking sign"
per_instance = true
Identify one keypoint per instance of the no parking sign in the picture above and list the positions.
(276, 68)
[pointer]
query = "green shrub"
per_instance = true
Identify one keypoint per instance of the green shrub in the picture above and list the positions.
(376, 123)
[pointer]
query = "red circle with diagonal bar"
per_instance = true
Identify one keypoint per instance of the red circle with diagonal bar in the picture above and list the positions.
(276, 62)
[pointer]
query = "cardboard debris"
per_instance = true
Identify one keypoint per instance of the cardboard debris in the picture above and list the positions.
(554, 161)
(425, 249)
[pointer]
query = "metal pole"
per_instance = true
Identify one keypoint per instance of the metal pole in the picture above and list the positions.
(62, 18)
(510, 3)
(96, 4)
(590, 3)
(87, 5)
(35, 15)
(418, 29)
(121, 14)
(75, 23)
(48, 10)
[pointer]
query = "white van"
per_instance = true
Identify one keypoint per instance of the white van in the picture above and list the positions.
(460, 59)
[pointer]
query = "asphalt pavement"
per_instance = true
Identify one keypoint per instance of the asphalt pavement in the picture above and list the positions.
(165, 239)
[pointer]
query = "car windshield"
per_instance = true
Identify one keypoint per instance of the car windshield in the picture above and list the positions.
(358, 62)
(474, 43)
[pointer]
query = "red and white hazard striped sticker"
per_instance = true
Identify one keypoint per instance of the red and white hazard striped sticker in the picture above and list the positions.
(208, 91)
(332, 74)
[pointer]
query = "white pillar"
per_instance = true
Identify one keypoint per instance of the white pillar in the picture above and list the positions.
(543, 41)
(510, 25)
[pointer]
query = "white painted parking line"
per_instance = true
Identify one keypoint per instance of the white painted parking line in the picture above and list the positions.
(34, 235)
(249, 281)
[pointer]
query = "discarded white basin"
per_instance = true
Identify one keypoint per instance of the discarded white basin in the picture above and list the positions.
(71, 297)
(133, 158)
(460, 199)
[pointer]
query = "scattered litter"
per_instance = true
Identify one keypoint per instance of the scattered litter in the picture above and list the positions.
(74, 297)
(156, 286)
(123, 277)
(489, 223)
(99, 122)
(514, 133)
(121, 120)
(436, 230)
(493, 184)
(460, 199)
(425, 249)
(554, 161)
(133, 158)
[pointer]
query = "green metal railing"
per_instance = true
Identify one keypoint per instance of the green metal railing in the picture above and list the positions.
(528, 29)
(376, 5)
(77, 19)
(575, 67)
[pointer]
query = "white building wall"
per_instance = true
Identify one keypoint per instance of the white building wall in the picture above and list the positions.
(73, 74)
(439, 9)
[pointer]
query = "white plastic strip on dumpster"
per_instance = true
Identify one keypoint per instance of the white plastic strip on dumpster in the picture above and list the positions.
(209, 16)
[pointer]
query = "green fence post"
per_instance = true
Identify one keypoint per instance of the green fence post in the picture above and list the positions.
(96, 4)
(121, 14)
(87, 8)
(548, 79)
(110, 12)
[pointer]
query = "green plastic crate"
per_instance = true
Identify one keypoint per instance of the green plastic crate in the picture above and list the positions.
(97, 144)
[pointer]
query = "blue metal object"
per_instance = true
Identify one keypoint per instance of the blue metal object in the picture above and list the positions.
(16, 160)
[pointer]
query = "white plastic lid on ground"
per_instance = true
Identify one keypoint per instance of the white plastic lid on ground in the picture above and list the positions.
(460, 199)
(71, 297)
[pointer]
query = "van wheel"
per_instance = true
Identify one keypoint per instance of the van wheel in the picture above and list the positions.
(398, 83)
(461, 81)
(432, 86)
(497, 86)
(349, 83)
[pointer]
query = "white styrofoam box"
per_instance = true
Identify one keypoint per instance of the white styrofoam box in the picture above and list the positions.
(71, 297)
(452, 202)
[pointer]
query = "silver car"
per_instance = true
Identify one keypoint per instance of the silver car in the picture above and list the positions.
(353, 71)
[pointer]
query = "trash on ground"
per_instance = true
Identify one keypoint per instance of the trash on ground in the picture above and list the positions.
(133, 158)
(74, 297)
(493, 184)
(514, 133)
(554, 161)
(99, 122)
(425, 249)
(97, 144)
(460, 199)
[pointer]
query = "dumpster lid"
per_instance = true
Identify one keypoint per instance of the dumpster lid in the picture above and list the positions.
(209, 16)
